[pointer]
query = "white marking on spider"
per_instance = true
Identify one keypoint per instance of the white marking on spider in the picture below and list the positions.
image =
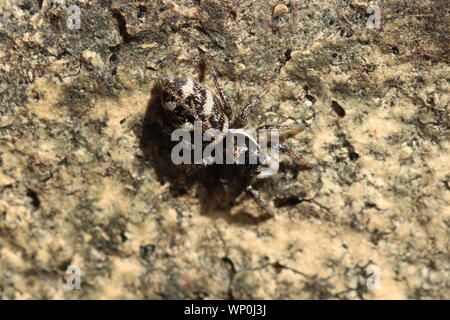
(208, 107)
(188, 88)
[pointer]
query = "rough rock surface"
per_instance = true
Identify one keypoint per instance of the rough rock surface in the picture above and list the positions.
(85, 181)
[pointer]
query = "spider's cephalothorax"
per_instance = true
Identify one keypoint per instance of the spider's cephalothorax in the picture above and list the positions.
(186, 102)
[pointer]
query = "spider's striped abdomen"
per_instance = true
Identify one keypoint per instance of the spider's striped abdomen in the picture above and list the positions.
(185, 101)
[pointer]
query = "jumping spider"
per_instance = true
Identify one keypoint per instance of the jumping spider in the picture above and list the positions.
(186, 101)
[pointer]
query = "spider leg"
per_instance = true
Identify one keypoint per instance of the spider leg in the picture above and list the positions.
(283, 130)
(294, 155)
(287, 130)
(253, 102)
(228, 111)
(260, 201)
(226, 104)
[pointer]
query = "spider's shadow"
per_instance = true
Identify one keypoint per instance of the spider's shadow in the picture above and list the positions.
(215, 201)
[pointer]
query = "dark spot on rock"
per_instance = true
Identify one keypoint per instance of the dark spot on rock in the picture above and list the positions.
(286, 202)
(353, 155)
(61, 55)
(287, 54)
(64, 265)
(310, 98)
(35, 199)
(36, 96)
(146, 251)
(369, 204)
(123, 237)
(376, 236)
(63, 162)
(142, 11)
(122, 26)
(25, 6)
(447, 184)
(338, 109)
(274, 108)
(278, 267)
(395, 50)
